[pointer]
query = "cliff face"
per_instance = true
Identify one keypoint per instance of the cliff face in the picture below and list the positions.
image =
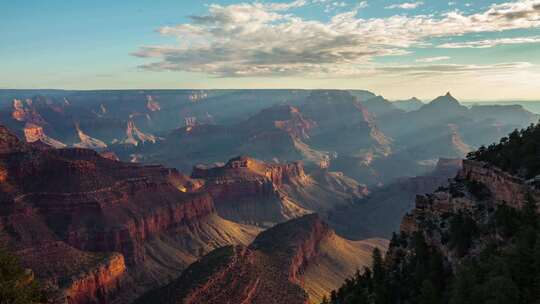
(478, 190)
(274, 269)
(95, 228)
(294, 244)
(504, 187)
(98, 285)
(252, 191)
(248, 190)
(130, 238)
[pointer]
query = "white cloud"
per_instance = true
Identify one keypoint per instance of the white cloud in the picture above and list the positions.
(255, 39)
(362, 4)
(453, 69)
(488, 43)
(432, 59)
(406, 5)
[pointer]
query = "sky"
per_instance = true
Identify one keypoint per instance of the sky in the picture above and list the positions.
(478, 50)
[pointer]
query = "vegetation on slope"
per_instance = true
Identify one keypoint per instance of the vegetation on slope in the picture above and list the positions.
(17, 286)
(506, 269)
(518, 153)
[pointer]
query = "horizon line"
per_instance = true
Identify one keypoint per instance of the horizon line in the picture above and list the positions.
(465, 100)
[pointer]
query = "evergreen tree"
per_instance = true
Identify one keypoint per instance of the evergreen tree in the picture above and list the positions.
(501, 290)
(428, 293)
(381, 292)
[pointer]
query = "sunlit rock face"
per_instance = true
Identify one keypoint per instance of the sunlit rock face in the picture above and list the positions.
(90, 226)
(289, 263)
(250, 191)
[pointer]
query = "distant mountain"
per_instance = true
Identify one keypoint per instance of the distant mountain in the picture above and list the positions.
(277, 133)
(355, 132)
(443, 108)
(529, 105)
(381, 107)
(344, 125)
(445, 128)
(296, 262)
(362, 95)
(510, 114)
(409, 105)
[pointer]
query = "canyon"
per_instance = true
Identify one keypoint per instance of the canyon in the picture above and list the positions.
(93, 228)
(286, 193)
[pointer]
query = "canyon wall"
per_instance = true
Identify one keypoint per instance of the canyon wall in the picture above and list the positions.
(98, 285)
(504, 187)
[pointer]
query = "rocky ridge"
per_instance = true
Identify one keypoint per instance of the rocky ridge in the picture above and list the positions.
(272, 269)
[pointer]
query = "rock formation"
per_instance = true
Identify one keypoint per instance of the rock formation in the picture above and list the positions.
(478, 187)
(34, 133)
(151, 104)
(88, 142)
(280, 266)
(97, 230)
(251, 191)
(135, 137)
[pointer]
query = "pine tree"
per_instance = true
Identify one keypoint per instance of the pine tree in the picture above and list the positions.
(380, 288)
(501, 290)
(428, 293)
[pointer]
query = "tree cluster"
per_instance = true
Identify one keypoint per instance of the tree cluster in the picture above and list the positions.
(518, 153)
(505, 270)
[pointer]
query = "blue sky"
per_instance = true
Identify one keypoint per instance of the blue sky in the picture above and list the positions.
(480, 50)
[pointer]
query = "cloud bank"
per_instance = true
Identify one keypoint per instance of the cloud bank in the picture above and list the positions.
(256, 39)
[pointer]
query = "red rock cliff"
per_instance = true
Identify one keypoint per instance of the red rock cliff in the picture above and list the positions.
(248, 190)
(98, 285)
(266, 272)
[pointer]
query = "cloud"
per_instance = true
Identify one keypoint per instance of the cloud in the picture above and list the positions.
(481, 44)
(256, 39)
(453, 69)
(406, 5)
(432, 59)
(362, 4)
